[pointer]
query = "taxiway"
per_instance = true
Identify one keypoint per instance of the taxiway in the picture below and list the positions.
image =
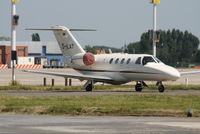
(34, 124)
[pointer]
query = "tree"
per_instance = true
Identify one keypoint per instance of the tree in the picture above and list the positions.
(175, 47)
(35, 37)
(198, 57)
(90, 49)
(93, 49)
(134, 48)
(2, 38)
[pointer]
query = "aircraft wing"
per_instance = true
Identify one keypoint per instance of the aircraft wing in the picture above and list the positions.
(76, 76)
(190, 72)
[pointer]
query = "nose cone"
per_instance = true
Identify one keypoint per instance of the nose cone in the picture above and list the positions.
(165, 72)
(173, 74)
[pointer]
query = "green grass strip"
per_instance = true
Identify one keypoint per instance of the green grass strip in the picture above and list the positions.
(111, 105)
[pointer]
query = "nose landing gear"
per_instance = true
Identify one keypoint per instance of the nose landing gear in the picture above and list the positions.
(138, 87)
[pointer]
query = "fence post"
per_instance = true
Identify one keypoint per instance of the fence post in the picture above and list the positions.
(52, 82)
(70, 82)
(66, 81)
(44, 81)
(186, 81)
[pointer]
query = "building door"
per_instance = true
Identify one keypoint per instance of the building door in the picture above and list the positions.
(44, 50)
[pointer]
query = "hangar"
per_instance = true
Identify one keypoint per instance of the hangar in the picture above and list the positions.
(38, 50)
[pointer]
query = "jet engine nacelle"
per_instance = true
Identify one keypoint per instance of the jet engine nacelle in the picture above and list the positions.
(85, 59)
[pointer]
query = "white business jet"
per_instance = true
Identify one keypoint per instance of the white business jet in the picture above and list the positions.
(116, 68)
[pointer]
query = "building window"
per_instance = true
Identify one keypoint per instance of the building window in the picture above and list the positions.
(128, 61)
(122, 61)
(117, 60)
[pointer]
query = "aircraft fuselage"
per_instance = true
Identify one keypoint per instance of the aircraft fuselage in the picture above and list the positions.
(124, 68)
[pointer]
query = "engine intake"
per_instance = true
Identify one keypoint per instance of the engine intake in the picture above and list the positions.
(88, 59)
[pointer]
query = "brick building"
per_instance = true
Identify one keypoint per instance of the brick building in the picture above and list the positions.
(49, 50)
(5, 53)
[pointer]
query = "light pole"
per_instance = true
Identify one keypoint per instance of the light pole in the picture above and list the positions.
(154, 39)
(14, 24)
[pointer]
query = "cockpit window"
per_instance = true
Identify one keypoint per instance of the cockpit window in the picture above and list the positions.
(138, 61)
(159, 61)
(147, 59)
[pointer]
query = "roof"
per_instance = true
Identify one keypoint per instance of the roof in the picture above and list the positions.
(36, 47)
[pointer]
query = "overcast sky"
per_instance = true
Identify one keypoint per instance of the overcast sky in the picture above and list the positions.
(117, 21)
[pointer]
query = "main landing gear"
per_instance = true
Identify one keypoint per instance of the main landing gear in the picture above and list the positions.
(139, 86)
(89, 85)
(161, 88)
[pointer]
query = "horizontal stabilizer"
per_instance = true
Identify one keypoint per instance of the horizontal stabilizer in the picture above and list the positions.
(82, 29)
(58, 29)
(44, 29)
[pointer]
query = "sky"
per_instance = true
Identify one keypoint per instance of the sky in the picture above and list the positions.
(118, 22)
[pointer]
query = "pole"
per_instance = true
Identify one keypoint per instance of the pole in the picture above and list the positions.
(13, 38)
(154, 28)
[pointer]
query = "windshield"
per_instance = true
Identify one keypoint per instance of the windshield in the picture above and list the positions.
(159, 61)
(147, 59)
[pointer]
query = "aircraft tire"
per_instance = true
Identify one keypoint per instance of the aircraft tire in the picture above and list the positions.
(138, 87)
(161, 88)
(89, 88)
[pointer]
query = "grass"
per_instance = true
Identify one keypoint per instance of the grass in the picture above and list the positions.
(123, 105)
(97, 87)
(14, 83)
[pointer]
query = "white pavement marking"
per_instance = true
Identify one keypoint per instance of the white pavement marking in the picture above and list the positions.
(191, 125)
(64, 129)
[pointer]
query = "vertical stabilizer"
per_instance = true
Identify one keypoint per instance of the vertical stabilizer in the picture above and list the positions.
(68, 44)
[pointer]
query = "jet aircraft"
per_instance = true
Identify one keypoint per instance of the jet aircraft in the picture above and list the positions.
(114, 68)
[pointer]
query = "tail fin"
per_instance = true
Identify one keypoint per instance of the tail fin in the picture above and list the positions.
(68, 44)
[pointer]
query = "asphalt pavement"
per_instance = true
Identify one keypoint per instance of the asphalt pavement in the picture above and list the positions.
(37, 124)
(41, 93)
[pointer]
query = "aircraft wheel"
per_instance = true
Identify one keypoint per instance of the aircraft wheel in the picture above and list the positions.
(89, 88)
(138, 87)
(161, 88)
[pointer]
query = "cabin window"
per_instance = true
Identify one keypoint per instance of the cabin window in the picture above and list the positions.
(122, 61)
(117, 60)
(111, 60)
(138, 61)
(128, 61)
(147, 59)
